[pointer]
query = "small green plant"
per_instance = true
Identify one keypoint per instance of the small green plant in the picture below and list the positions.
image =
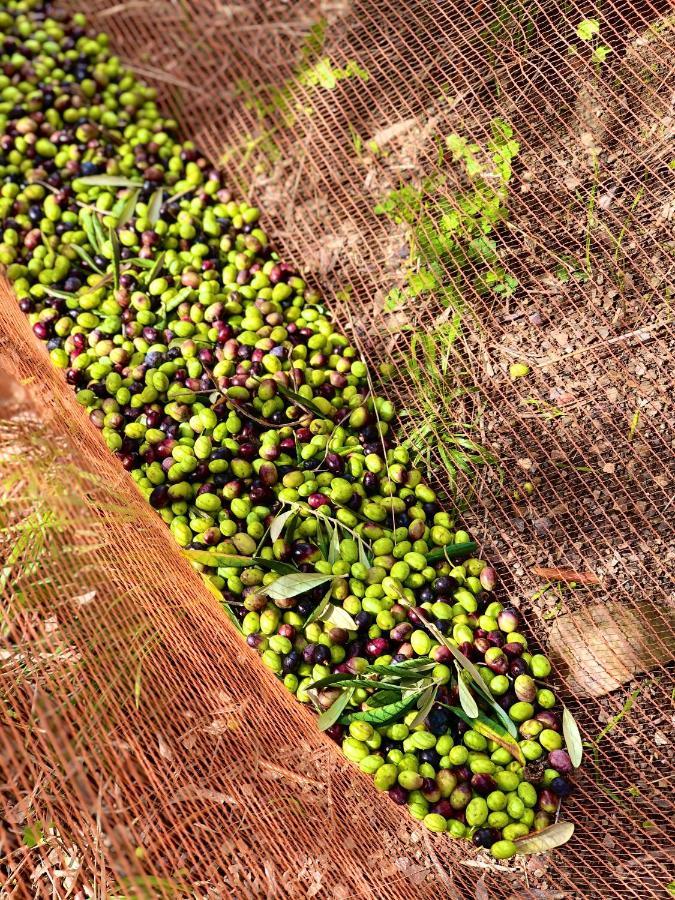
(453, 239)
(429, 368)
(547, 411)
(620, 275)
(280, 107)
(325, 75)
(588, 30)
(357, 141)
(570, 269)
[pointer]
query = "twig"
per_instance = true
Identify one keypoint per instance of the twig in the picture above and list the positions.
(283, 772)
(477, 864)
(567, 575)
(446, 879)
(161, 75)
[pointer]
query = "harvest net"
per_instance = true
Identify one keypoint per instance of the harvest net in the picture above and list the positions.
(145, 750)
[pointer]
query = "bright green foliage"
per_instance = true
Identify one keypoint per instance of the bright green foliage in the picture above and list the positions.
(453, 239)
(281, 106)
(429, 370)
(588, 30)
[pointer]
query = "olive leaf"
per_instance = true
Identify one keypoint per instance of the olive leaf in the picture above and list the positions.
(501, 714)
(102, 281)
(299, 400)
(548, 839)
(87, 219)
(465, 663)
(212, 589)
(87, 258)
(492, 731)
(155, 206)
(128, 208)
(101, 236)
(383, 715)
(322, 537)
(318, 612)
(223, 560)
(363, 556)
(279, 521)
(218, 560)
(274, 565)
(117, 181)
(293, 584)
(175, 301)
(115, 244)
(466, 699)
(332, 714)
(383, 698)
(572, 738)
(399, 669)
(345, 679)
(156, 267)
(142, 263)
(479, 681)
(339, 617)
(424, 704)
(449, 550)
(62, 295)
(334, 546)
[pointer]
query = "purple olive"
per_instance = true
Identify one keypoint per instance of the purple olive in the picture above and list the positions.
(560, 761)
(322, 655)
(401, 632)
(495, 638)
(309, 654)
(441, 654)
(517, 667)
(255, 640)
(371, 483)
(428, 785)
(159, 498)
(398, 794)
(417, 615)
(334, 463)
(468, 650)
(316, 500)
(268, 474)
(377, 647)
(443, 808)
(483, 784)
(443, 585)
(485, 837)
(335, 732)
(496, 661)
(548, 719)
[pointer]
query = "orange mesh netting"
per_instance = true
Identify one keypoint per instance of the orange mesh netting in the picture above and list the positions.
(145, 750)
